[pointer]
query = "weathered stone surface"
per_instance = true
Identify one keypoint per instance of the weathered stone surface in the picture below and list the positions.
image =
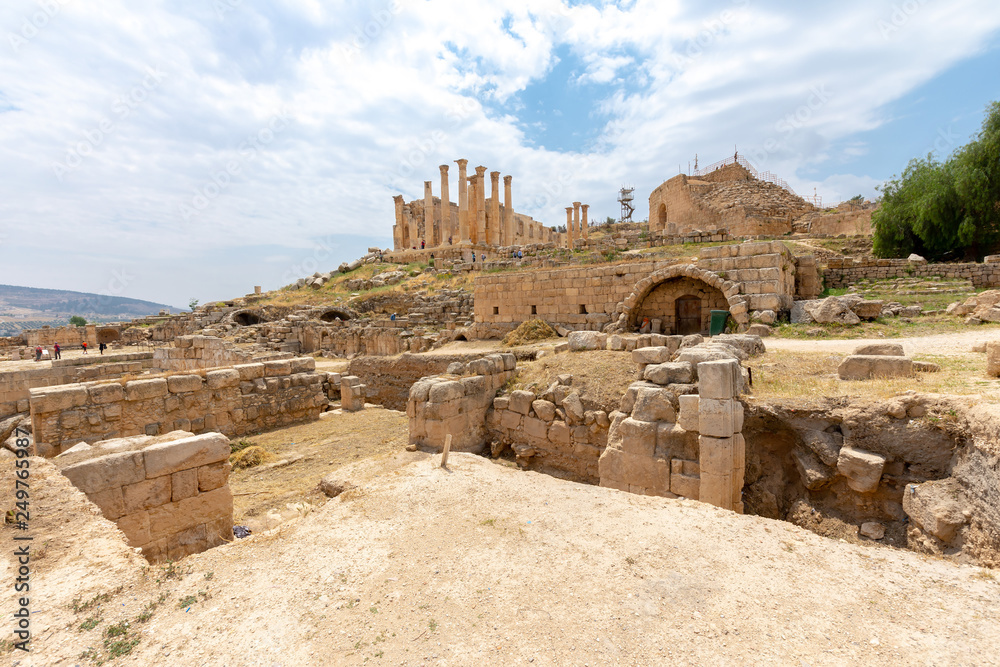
(102, 394)
(332, 485)
(719, 379)
(139, 390)
(105, 472)
(880, 349)
(183, 383)
(654, 405)
(937, 507)
(800, 312)
(637, 437)
(146, 494)
(213, 476)
(993, 358)
(825, 445)
(170, 457)
(815, 474)
(651, 355)
(677, 372)
(574, 408)
(580, 341)
(183, 484)
(222, 378)
(442, 392)
(716, 417)
(863, 469)
(544, 410)
(868, 309)
(750, 344)
(873, 530)
(703, 353)
(925, 367)
(858, 367)
(759, 330)
(53, 399)
(520, 401)
(688, 418)
(832, 310)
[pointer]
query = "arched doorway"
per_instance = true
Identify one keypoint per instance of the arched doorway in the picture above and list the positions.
(246, 318)
(661, 217)
(108, 335)
(335, 314)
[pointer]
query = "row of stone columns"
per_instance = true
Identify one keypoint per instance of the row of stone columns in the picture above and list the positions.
(477, 223)
(576, 228)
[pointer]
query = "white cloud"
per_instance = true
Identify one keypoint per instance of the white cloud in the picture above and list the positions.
(375, 96)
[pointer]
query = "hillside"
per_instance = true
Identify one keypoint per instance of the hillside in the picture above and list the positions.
(31, 307)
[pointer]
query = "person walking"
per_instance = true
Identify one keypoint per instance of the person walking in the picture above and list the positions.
(101, 347)
(56, 349)
(84, 346)
(38, 353)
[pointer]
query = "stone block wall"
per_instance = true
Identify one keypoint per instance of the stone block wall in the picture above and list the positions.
(456, 403)
(551, 432)
(389, 379)
(668, 441)
(171, 499)
(190, 353)
(232, 401)
(671, 236)
(765, 271)
(808, 278)
(68, 336)
(15, 386)
(848, 271)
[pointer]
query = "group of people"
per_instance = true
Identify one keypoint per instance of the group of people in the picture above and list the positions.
(42, 353)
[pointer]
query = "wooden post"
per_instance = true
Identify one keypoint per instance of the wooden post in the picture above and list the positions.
(447, 448)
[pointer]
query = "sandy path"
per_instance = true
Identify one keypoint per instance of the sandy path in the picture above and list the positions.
(946, 344)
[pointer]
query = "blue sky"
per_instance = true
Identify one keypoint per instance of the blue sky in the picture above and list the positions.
(176, 149)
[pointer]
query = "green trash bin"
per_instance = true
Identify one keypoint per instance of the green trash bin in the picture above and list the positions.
(718, 325)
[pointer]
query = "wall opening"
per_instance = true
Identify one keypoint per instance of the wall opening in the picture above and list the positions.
(246, 319)
(583, 309)
(662, 217)
(496, 310)
(682, 304)
(108, 335)
(335, 314)
(534, 310)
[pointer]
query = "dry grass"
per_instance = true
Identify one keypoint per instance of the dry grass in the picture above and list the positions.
(810, 375)
(892, 327)
(601, 376)
(324, 446)
(530, 331)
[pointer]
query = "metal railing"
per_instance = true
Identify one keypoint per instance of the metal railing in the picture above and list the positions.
(765, 176)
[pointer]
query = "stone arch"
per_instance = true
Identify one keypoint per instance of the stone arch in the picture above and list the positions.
(246, 318)
(628, 310)
(108, 335)
(334, 314)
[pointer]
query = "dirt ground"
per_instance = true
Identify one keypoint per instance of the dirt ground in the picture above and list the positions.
(484, 564)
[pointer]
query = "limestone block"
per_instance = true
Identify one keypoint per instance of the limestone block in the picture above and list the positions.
(136, 528)
(872, 530)
(638, 437)
(183, 484)
(863, 469)
(703, 353)
(858, 367)
(689, 417)
(172, 518)
(880, 349)
(277, 368)
(675, 372)
(716, 455)
(761, 330)
(616, 342)
(737, 417)
(177, 384)
(520, 401)
(937, 507)
(559, 433)
(587, 340)
(222, 378)
(831, 309)
(250, 372)
(110, 501)
(536, 428)
(302, 365)
(651, 355)
(146, 494)
(686, 486)
(716, 489)
(868, 309)
(169, 457)
(645, 472)
(510, 420)
(105, 472)
(611, 465)
(654, 405)
(718, 379)
(992, 359)
(106, 393)
(573, 407)
(57, 399)
(139, 390)
(443, 392)
(544, 410)
(814, 473)
(716, 417)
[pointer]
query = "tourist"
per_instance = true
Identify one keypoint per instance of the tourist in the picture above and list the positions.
(646, 326)
(38, 353)
(101, 347)
(449, 240)
(84, 346)
(421, 244)
(519, 255)
(58, 354)
(392, 318)
(483, 258)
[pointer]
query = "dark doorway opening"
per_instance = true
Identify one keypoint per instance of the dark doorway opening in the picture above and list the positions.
(688, 315)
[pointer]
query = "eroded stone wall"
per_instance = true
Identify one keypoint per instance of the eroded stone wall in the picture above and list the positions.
(233, 401)
(170, 499)
(848, 271)
(765, 271)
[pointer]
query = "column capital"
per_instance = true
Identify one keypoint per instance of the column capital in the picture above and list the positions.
(576, 204)
(480, 170)
(569, 209)
(462, 162)
(584, 206)
(398, 199)
(443, 168)
(495, 175)
(507, 179)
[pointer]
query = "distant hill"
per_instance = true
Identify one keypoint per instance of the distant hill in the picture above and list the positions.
(37, 304)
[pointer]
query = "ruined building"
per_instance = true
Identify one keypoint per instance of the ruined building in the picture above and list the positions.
(475, 220)
(729, 195)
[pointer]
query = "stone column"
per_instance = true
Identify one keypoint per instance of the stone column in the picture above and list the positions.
(569, 227)
(411, 227)
(482, 234)
(508, 213)
(585, 224)
(397, 230)
(428, 237)
(496, 225)
(722, 449)
(446, 231)
(576, 219)
(471, 214)
(463, 201)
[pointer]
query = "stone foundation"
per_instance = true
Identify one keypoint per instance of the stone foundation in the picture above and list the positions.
(170, 499)
(233, 401)
(848, 271)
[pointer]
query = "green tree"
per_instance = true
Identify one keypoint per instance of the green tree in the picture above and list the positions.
(78, 321)
(945, 209)
(192, 304)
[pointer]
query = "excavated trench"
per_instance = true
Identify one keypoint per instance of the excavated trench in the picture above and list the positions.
(919, 472)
